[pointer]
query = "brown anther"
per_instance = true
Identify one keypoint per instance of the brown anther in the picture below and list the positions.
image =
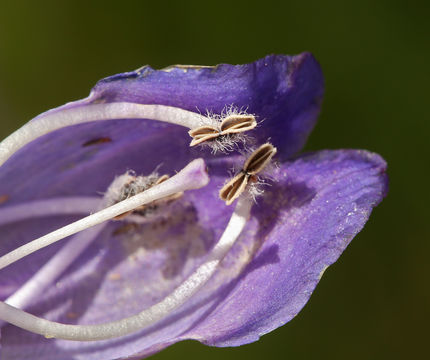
(232, 124)
(259, 159)
(234, 188)
(202, 134)
(237, 123)
(253, 165)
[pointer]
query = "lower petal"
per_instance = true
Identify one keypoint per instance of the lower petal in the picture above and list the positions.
(301, 225)
(306, 219)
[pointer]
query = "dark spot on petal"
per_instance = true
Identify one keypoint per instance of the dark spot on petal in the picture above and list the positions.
(114, 277)
(4, 198)
(72, 315)
(100, 140)
(125, 228)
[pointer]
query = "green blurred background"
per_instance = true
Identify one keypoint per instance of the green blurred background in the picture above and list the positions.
(374, 302)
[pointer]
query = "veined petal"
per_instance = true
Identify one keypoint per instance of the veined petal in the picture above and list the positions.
(318, 203)
(301, 225)
(284, 92)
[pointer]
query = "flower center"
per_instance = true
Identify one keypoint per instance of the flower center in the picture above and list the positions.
(193, 176)
(148, 316)
(134, 198)
(128, 185)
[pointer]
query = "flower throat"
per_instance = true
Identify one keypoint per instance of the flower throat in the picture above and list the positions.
(135, 197)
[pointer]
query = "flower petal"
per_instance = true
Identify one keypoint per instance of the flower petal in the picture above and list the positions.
(318, 203)
(284, 91)
(84, 159)
(299, 227)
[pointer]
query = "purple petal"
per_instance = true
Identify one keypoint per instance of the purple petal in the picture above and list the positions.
(84, 159)
(284, 91)
(299, 227)
(307, 218)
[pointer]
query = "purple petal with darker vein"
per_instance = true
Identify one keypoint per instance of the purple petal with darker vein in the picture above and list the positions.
(284, 91)
(307, 218)
(84, 159)
(301, 225)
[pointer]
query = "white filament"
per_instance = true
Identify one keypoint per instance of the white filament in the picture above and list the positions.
(56, 265)
(148, 316)
(57, 119)
(193, 176)
(50, 271)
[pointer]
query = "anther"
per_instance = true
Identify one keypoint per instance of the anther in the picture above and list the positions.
(237, 123)
(259, 159)
(202, 134)
(231, 125)
(253, 166)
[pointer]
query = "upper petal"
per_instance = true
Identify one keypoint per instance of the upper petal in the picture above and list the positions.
(284, 91)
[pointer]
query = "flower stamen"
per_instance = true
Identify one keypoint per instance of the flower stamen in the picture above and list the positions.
(231, 125)
(257, 161)
(63, 117)
(192, 176)
(137, 184)
(203, 133)
(62, 259)
(56, 265)
(148, 316)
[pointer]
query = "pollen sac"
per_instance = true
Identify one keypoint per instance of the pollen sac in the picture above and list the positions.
(202, 134)
(234, 188)
(259, 159)
(253, 166)
(233, 124)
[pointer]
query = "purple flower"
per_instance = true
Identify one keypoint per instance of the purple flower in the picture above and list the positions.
(310, 208)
